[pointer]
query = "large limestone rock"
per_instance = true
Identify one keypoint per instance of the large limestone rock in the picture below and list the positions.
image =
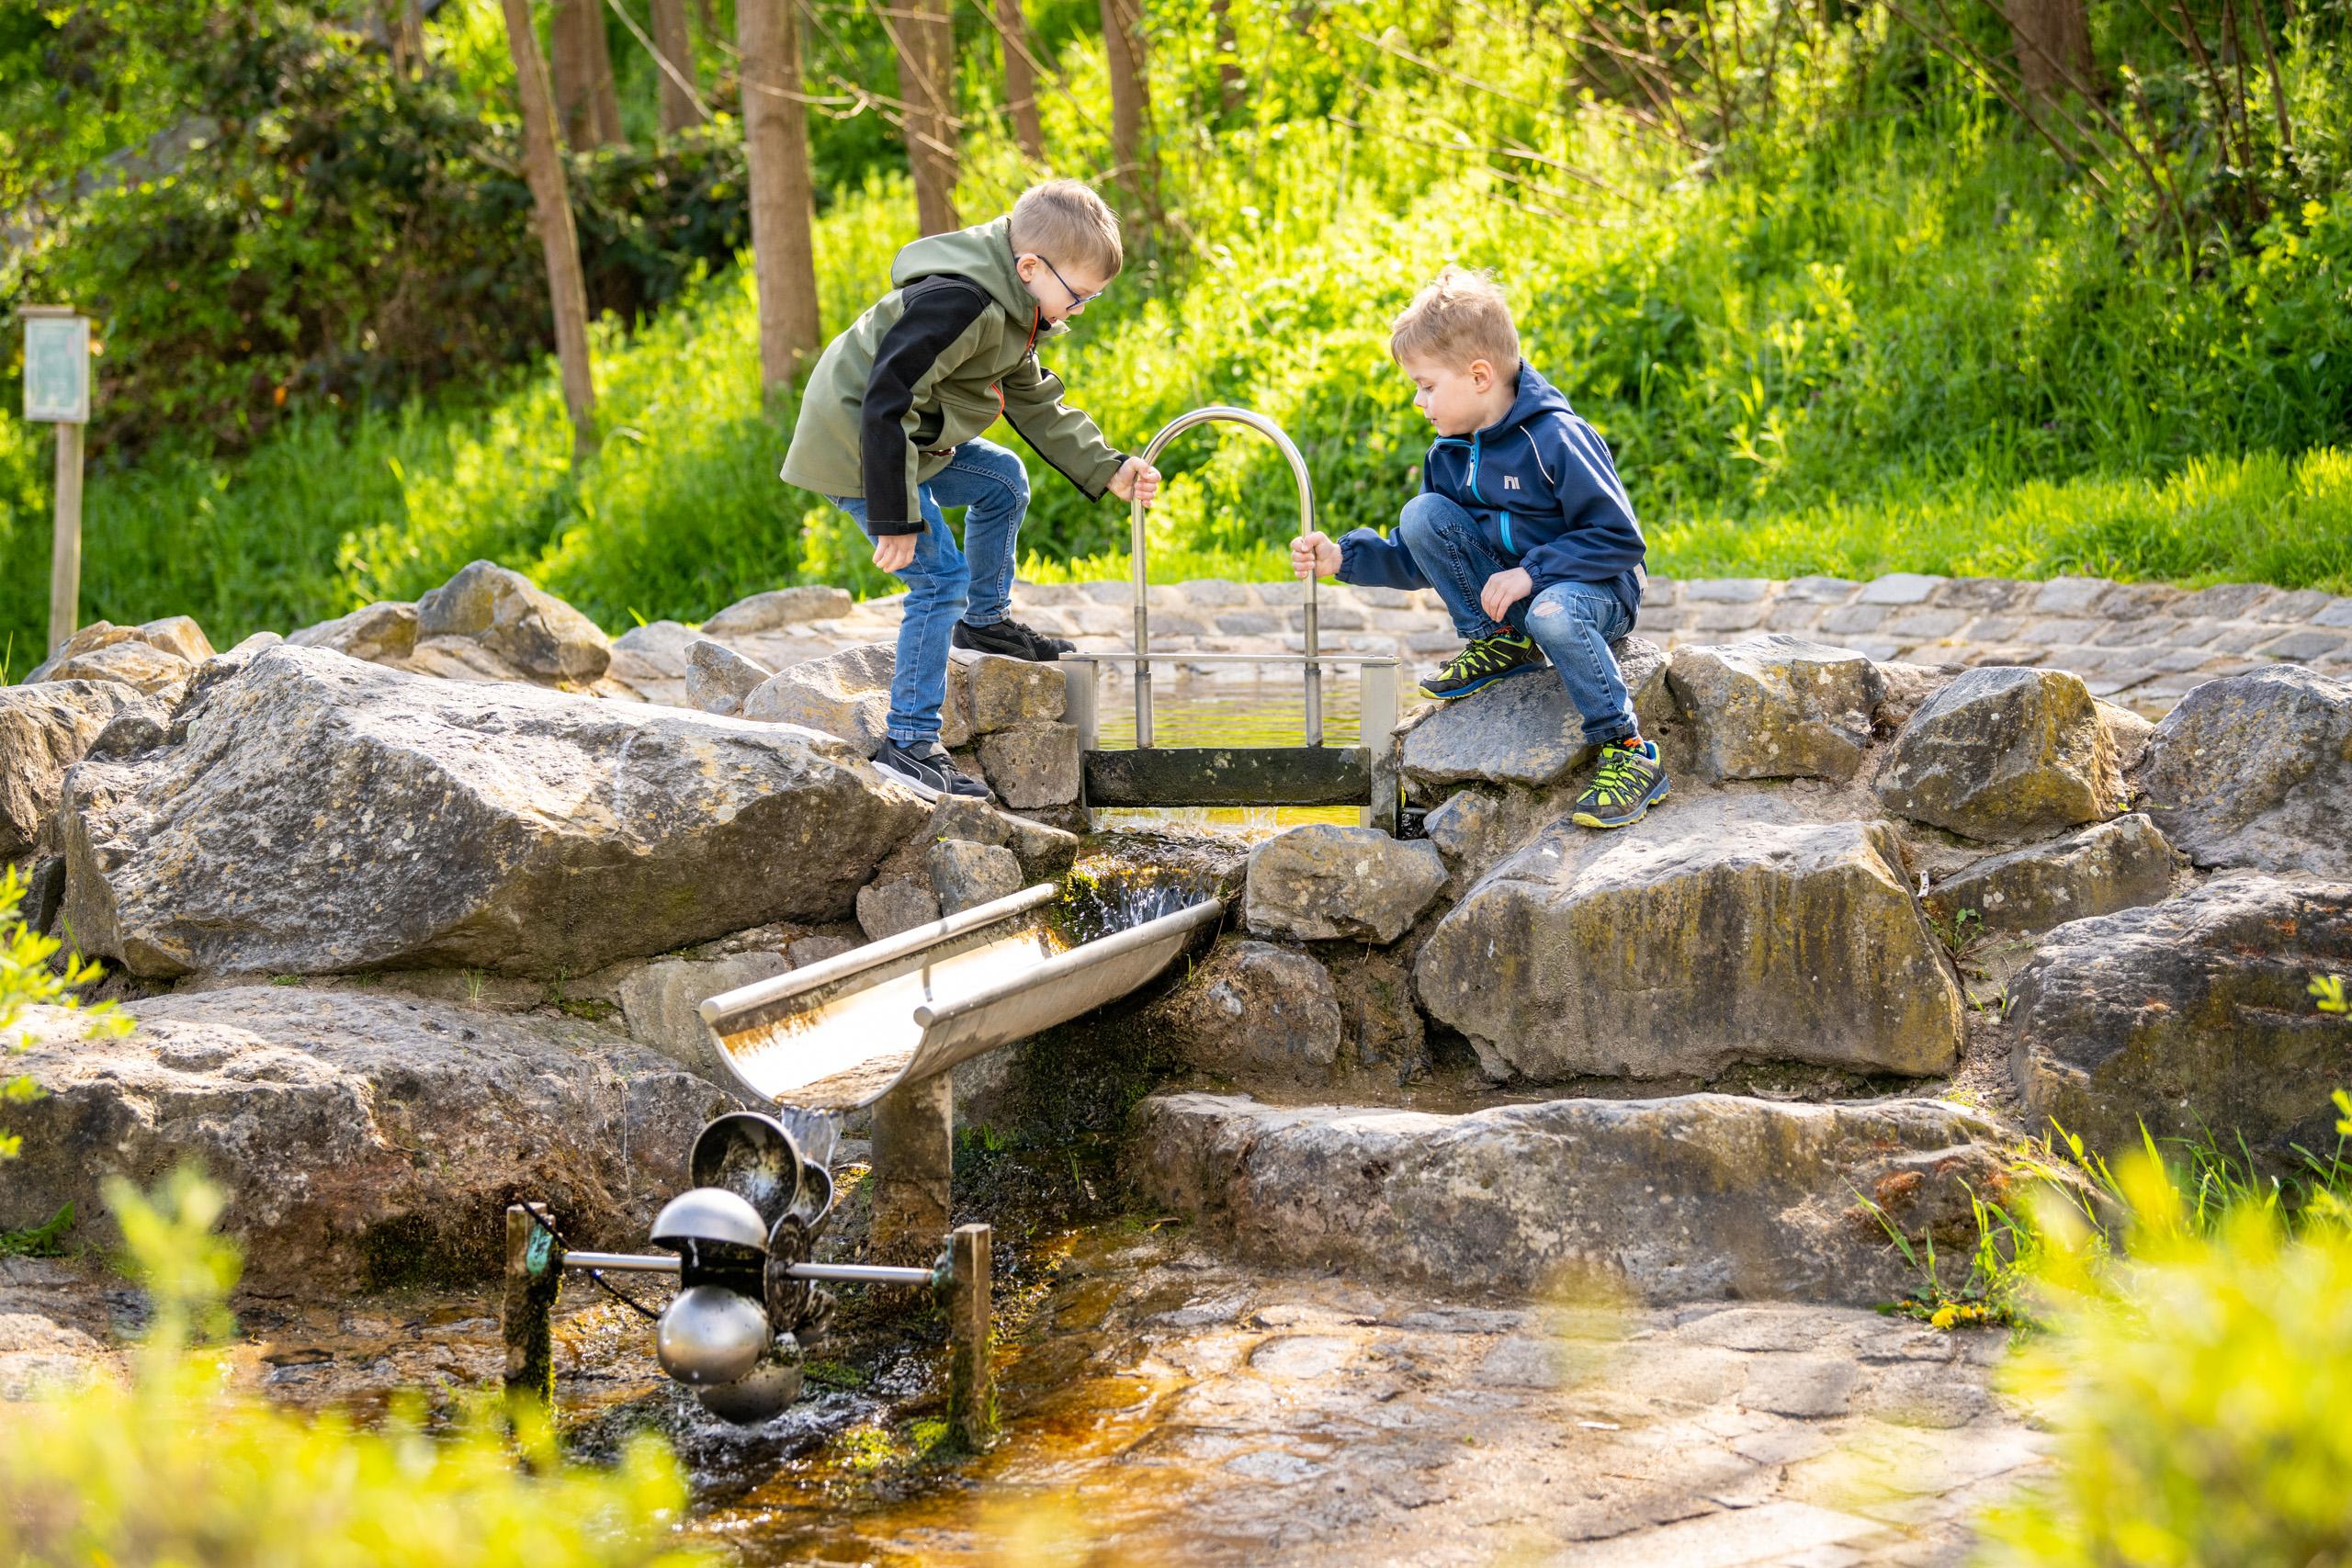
(363, 1140)
(1777, 707)
(1324, 881)
(2104, 867)
(965, 875)
(846, 693)
(1045, 852)
(1032, 766)
(156, 657)
(2005, 753)
(1254, 1011)
(719, 678)
(128, 660)
(1688, 1198)
(318, 813)
(1523, 730)
(1664, 956)
(776, 609)
(44, 730)
(658, 1003)
(2256, 771)
(651, 659)
(517, 620)
(383, 633)
(2190, 1017)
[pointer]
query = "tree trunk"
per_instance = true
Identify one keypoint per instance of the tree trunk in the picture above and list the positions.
(1229, 57)
(924, 34)
(586, 98)
(552, 216)
(675, 46)
(1020, 81)
(1123, 43)
(2053, 45)
(784, 206)
(404, 30)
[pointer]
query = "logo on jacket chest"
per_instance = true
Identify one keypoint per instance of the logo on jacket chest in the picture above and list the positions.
(1510, 481)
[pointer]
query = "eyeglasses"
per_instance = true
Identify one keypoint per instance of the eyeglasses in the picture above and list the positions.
(1076, 299)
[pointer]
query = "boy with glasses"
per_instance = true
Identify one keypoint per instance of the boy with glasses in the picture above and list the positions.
(890, 431)
(1522, 526)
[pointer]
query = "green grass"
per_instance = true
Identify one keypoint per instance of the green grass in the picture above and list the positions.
(1897, 343)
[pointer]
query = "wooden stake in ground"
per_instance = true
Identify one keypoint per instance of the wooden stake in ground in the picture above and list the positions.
(1020, 81)
(924, 34)
(534, 1276)
(971, 1376)
(551, 210)
(586, 100)
(675, 46)
(784, 204)
(1122, 45)
(57, 391)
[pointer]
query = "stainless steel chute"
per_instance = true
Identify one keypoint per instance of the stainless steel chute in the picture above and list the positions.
(841, 1034)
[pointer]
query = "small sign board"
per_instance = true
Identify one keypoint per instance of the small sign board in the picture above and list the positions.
(57, 364)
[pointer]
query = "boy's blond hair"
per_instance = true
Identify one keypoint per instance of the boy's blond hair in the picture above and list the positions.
(1460, 317)
(1065, 221)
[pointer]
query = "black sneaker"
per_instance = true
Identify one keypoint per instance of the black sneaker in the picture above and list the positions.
(1011, 639)
(930, 773)
(1486, 660)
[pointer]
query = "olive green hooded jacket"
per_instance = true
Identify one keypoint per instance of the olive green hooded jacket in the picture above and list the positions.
(929, 367)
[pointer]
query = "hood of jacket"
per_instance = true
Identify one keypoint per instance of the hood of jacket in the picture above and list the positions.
(983, 255)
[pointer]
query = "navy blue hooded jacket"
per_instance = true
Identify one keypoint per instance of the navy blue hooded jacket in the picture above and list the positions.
(1540, 484)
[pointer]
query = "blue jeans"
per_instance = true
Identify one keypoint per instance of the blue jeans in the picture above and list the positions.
(1573, 623)
(945, 586)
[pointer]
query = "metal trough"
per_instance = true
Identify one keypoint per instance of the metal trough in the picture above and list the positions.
(841, 1034)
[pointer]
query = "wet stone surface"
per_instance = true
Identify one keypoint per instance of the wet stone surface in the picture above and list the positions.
(1164, 1408)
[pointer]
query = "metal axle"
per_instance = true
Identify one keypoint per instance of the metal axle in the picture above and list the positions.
(838, 1274)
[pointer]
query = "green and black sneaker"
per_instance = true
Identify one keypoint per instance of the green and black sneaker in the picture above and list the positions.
(1486, 660)
(1626, 785)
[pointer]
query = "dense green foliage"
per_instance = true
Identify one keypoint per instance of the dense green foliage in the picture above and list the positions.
(175, 1469)
(2197, 1384)
(1850, 315)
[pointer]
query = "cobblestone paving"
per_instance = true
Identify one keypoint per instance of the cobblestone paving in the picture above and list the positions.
(2140, 644)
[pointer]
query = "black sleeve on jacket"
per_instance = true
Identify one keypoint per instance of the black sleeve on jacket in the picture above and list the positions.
(934, 313)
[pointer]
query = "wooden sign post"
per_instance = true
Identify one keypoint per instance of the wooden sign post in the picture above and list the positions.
(57, 391)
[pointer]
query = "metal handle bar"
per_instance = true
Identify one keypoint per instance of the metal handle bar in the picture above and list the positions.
(1273, 433)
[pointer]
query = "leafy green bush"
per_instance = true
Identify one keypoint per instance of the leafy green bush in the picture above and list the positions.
(2198, 1389)
(175, 1469)
(31, 976)
(346, 236)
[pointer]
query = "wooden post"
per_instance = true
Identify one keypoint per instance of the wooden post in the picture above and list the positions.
(566, 290)
(784, 203)
(971, 1377)
(65, 554)
(914, 1155)
(534, 1275)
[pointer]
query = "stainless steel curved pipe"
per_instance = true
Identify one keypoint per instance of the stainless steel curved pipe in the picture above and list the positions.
(1273, 433)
